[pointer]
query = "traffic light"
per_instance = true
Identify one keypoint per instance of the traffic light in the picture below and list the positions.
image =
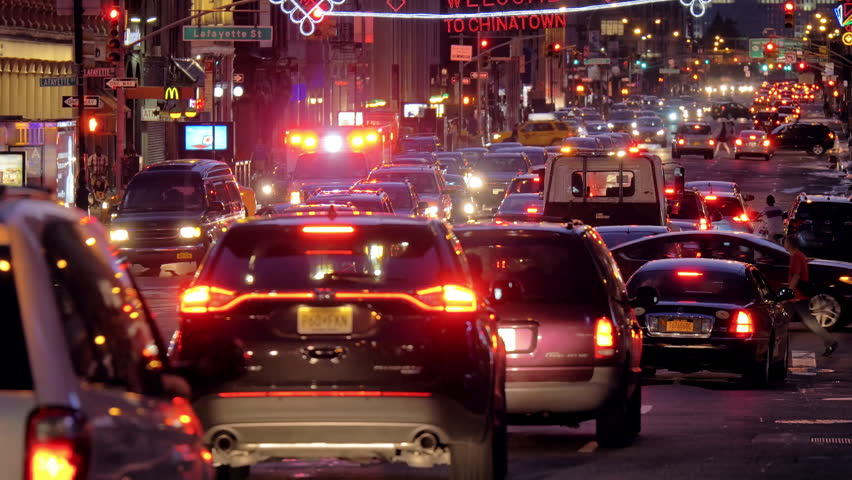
(831, 83)
(581, 89)
(553, 49)
(803, 66)
(93, 124)
(769, 49)
(466, 100)
(115, 33)
(483, 43)
(789, 13)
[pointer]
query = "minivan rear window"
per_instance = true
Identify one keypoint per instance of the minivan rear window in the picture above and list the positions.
(533, 267)
(13, 345)
(253, 257)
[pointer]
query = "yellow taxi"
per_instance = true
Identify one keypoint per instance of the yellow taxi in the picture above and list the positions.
(540, 133)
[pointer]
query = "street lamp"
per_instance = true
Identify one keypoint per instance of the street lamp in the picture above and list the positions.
(624, 21)
(218, 91)
(637, 31)
(676, 33)
(238, 91)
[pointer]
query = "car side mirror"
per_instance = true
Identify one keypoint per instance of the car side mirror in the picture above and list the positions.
(785, 294)
(215, 207)
(646, 297)
(748, 198)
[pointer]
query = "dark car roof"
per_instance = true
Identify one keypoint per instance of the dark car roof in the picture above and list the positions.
(187, 165)
(561, 228)
(375, 219)
(709, 233)
(698, 264)
(827, 198)
(404, 169)
(632, 228)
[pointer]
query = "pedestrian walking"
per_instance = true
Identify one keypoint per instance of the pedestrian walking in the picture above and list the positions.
(773, 221)
(723, 139)
(799, 280)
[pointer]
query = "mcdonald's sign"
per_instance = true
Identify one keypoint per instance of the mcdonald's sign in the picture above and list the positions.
(171, 93)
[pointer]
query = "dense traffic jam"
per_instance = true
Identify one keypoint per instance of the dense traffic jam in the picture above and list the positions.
(394, 300)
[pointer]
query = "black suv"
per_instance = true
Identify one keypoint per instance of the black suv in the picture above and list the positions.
(813, 138)
(373, 344)
(823, 224)
(573, 341)
(173, 211)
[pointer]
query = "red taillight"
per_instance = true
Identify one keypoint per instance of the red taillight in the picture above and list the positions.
(711, 198)
(204, 299)
(741, 218)
(57, 448)
(670, 191)
(689, 274)
(739, 141)
(328, 229)
(449, 298)
(702, 224)
(604, 338)
(711, 142)
(766, 143)
(532, 211)
(681, 141)
(329, 393)
(743, 325)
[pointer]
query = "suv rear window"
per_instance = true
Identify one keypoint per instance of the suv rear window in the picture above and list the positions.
(837, 213)
(253, 257)
(689, 209)
(706, 286)
(726, 206)
(13, 347)
(546, 267)
(694, 129)
(330, 165)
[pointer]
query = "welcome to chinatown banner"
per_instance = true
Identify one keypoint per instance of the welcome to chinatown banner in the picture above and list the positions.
(499, 24)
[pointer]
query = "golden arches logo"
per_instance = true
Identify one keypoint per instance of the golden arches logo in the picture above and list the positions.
(172, 93)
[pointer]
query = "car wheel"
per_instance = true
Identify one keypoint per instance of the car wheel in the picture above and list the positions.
(826, 309)
(619, 423)
(758, 373)
(480, 460)
(817, 149)
(226, 472)
(778, 370)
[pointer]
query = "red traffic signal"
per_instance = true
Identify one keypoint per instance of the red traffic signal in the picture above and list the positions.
(113, 13)
(483, 43)
(557, 47)
(803, 65)
(769, 47)
(789, 11)
(789, 7)
(93, 124)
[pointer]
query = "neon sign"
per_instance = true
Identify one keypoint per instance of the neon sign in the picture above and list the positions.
(307, 13)
(843, 13)
(500, 24)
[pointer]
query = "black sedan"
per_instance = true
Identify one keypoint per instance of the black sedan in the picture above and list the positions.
(712, 315)
(831, 306)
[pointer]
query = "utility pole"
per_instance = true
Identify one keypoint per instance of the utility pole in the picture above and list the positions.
(82, 195)
(120, 117)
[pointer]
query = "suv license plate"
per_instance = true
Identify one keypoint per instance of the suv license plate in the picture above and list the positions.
(184, 256)
(680, 326)
(324, 320)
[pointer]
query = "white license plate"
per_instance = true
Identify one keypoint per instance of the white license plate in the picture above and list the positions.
(324, 320)
(751, 144)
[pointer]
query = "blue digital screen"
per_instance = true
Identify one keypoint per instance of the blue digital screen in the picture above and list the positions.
(200, 137)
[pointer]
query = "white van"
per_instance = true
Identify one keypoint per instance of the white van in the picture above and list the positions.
(606, 190)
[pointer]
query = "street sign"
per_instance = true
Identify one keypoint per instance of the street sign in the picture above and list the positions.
(596, 61)
(478, 75)
(669, 71)
(790, 58)
(90, 101)
(99, 72)
(150, 114)
(461, 53)
(57, 82)
(118, 82)
(465, 81)
(231, 33)
(239, 78)
(160, 93)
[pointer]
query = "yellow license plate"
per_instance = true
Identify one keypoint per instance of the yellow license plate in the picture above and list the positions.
(497, 191)
(324, 320)
(680, 326)
(184, 256)
(697, 143)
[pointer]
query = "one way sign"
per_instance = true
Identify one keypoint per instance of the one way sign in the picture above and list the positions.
(90, 101)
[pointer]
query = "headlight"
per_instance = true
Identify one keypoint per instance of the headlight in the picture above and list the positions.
(295, 197)
(266, 189)
(660, 133)
(635, 132)
(475, 182)
(633, 124)
(496, 136)
(120, 235)
(469, 208)
(432, 211)
(610, 125)
(846, 279)
(672, 116)
(190, 232)
(699, 112)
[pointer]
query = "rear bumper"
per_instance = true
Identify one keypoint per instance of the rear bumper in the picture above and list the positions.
(263, 428)
(693, 150)
(689, 355)
(566, 397)
(161, 255)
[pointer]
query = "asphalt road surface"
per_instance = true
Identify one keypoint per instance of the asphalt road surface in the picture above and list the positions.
(701, 426)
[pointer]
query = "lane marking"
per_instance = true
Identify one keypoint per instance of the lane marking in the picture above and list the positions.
(589, 447)
(837, 399)
(814, 422)
(647, 408)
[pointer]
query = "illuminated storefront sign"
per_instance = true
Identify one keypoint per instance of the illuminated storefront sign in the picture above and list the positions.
(500, 24)
(502, 19)
(307, 13)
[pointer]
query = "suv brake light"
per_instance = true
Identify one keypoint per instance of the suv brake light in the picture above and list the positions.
(743, 324)
(739, 141)
(57, 448)
(604, 338)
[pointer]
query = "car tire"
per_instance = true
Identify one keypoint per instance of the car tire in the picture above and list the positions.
(619, 424)
(758, 374)
(480, 460)
(226, 472)
(827, 311)
(767, 157)
(778, 370)
(817, 149)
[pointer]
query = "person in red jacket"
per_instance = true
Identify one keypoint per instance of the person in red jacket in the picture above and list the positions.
(798, 278)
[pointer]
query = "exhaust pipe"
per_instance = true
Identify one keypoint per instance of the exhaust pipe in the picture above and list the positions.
(426, 441)
(224, 442)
